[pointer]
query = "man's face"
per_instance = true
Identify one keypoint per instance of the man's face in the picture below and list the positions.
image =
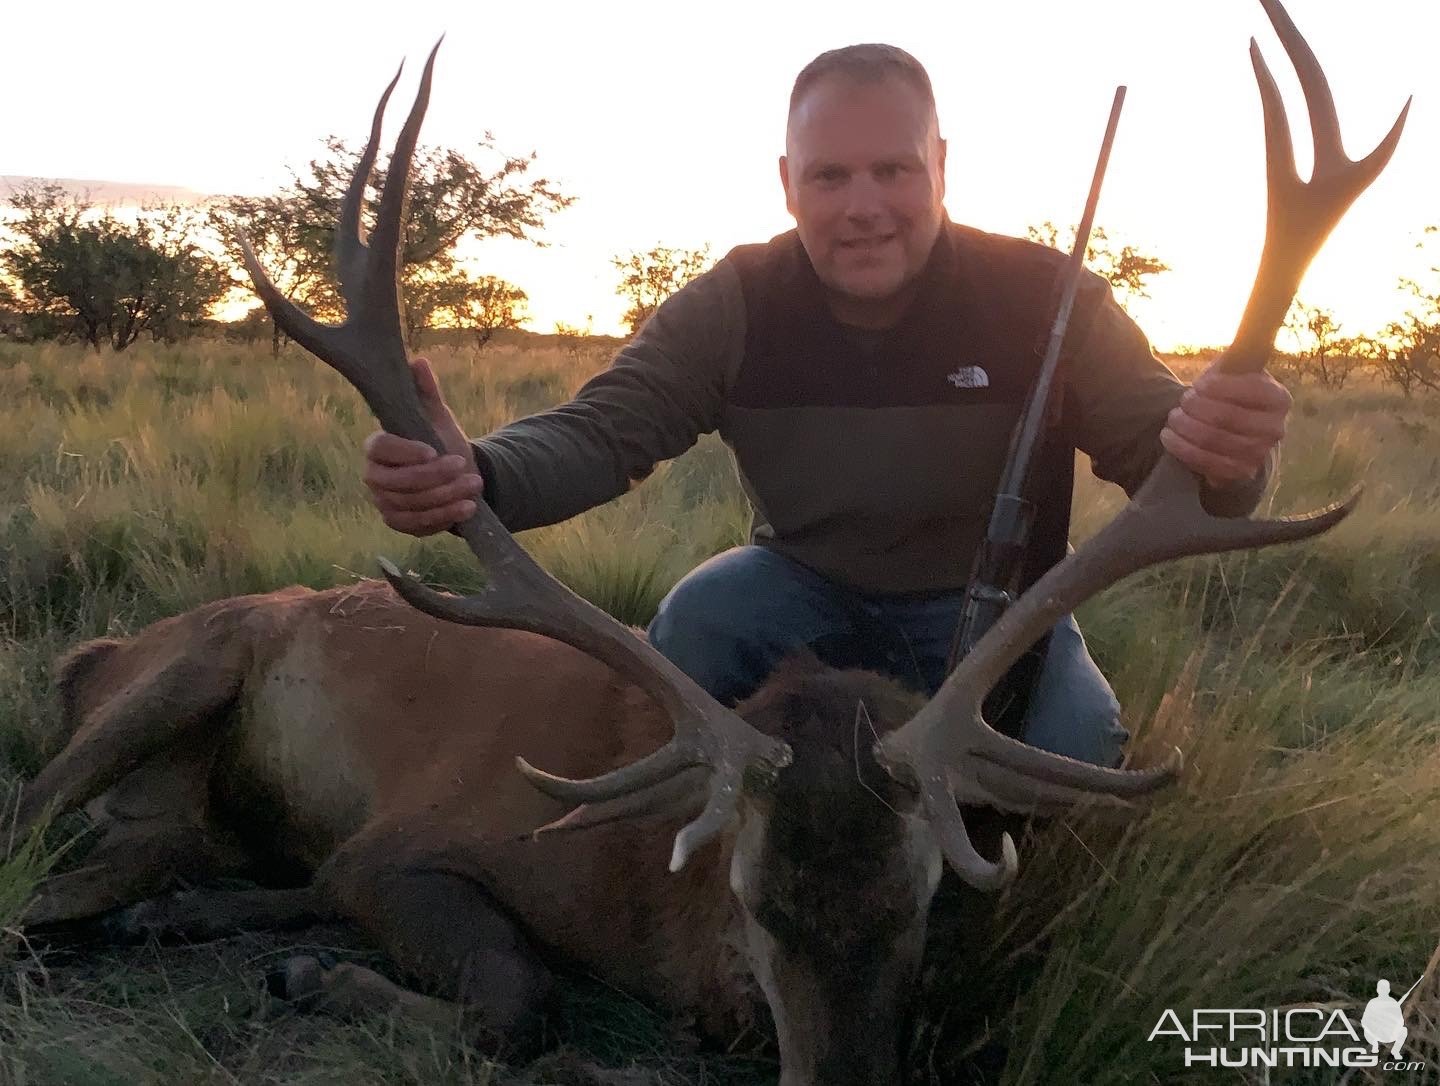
(864, 176)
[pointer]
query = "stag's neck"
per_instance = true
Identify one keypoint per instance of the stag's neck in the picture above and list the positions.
(602, 900)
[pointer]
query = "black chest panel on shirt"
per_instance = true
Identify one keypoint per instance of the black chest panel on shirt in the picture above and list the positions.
(972, 336)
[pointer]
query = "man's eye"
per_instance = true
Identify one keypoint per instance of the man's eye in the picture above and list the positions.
(831, 176)
(888, 171)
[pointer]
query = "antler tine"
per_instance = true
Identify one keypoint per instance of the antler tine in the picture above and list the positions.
(718, 813)
(656, 768)
(387, 240)
(947, 749)
(319, 339)
(1299, 215)
(350, 248)
(955, 843)
(1280, 170)
(369, 351)
(684, 791)
(1319, 102)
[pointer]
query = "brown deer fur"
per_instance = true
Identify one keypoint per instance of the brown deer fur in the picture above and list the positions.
(344, 740)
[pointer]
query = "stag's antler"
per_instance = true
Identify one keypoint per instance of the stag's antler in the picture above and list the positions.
(369, 350)
(972, 762)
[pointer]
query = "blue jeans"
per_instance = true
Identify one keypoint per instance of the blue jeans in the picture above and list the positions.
(732, 619)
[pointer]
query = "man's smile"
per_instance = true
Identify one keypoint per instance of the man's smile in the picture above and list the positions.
(866, 245)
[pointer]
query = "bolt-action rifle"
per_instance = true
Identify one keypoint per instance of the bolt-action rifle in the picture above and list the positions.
(994, 578)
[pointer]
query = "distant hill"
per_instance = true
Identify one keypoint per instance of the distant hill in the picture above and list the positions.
(111, 193)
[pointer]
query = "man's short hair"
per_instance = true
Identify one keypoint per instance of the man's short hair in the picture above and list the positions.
(870, 63)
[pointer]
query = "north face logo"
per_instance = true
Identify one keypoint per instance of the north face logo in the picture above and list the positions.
(969, 377)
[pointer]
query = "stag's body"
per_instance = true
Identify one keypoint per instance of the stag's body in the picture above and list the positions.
(345, 741)
(316, 722)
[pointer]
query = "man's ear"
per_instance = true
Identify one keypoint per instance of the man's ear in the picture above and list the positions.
(785, 184)
(942, 167)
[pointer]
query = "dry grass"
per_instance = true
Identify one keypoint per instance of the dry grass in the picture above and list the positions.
(1298, 862)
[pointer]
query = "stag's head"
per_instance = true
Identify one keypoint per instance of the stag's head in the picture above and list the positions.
(833, 865)
(840, 796)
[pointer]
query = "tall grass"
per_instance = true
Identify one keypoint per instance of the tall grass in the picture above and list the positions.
(1298, 862)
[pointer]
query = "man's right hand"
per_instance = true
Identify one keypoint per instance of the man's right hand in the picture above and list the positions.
(416, 491)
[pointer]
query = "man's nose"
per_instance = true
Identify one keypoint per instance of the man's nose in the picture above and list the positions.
(864, 199)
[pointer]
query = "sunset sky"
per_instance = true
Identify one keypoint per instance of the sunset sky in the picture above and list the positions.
(665, 120)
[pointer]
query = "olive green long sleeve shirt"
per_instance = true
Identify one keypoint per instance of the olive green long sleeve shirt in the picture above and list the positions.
(887, 499)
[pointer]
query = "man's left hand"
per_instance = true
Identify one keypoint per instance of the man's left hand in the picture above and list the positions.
(1226, 425)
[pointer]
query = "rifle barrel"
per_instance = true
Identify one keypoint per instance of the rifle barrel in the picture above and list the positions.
(1002, 551)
